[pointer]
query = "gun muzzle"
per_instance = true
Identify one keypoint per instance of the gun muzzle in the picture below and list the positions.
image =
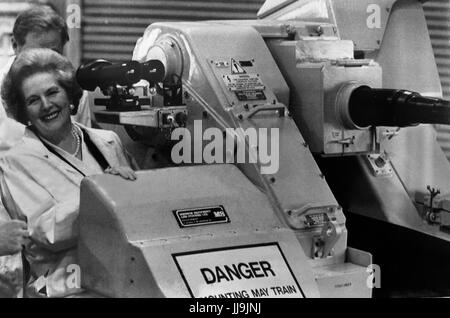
(394, 108)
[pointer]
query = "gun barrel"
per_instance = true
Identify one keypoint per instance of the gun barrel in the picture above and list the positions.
(397, 108)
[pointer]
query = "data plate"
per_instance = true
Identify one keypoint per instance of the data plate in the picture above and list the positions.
(243, 82)
(239, 272)
(250, 95)
(317, 219)
(201, 216)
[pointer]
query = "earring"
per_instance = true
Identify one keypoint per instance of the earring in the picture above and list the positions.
(72, 109)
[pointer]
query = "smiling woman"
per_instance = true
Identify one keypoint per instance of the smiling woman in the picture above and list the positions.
(40, 177)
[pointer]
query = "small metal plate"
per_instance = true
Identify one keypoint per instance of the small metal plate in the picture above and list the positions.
(243, 82)
(201, 216)
(316, 219)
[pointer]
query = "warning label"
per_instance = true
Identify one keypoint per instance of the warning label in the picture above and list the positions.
(246, 82)
(236, 68)
(243, 272)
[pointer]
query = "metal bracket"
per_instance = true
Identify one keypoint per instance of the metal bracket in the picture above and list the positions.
(431, 213)
(435, 208)
(248, 113)
(323, 245)
(380, 165)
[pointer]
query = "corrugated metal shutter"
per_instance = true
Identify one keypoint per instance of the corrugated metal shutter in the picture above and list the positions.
(111, 27)
(437, 13)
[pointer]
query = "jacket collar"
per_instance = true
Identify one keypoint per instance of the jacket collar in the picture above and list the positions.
(104, 141)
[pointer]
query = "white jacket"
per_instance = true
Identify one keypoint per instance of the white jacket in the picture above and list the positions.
(43, 190)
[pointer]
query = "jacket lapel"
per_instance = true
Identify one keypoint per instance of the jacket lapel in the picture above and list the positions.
(37, 146)
(105, 143)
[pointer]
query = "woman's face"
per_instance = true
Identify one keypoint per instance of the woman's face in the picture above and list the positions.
(47, 105)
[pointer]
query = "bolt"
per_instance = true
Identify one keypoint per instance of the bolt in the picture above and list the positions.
(329, 231)
(273, 180)
(319, 30)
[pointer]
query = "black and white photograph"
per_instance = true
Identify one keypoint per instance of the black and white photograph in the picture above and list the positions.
(225, 152)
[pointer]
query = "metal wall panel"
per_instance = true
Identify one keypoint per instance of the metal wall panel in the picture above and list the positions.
(111, 27)
(438, 18)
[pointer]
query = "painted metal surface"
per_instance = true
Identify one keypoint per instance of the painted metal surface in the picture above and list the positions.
(287, 197)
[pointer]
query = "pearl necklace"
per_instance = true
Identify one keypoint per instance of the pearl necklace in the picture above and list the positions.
(78, 140)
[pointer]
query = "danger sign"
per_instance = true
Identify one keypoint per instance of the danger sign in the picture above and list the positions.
(239, 272)
(236, 68)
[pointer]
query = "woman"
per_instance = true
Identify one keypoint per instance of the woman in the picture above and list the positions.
(41, 175)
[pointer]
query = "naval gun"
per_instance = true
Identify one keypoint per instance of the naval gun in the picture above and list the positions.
(355, 98)
(219, 226)
(314, 72)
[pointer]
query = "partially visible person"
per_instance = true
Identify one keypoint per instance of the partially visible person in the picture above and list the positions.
(13, 236)
(38, 27)
(41, 174)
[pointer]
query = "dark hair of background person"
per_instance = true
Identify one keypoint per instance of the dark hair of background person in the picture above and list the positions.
(39, 18)
(31, 62)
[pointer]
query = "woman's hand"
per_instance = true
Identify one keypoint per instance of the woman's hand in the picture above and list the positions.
(13, 234)
(124, 172)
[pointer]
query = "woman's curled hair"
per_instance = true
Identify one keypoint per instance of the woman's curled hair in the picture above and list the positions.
(31, 62)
